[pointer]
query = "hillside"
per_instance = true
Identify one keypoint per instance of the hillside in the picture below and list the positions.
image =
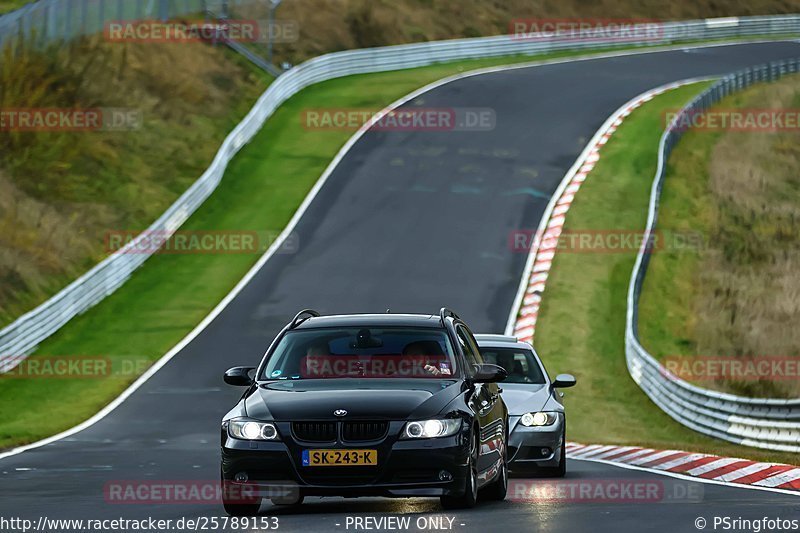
(331, 25)
(62, 192)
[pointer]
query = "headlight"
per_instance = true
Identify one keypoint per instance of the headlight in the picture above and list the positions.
(242, 428)
(429, 429)
(538, 419)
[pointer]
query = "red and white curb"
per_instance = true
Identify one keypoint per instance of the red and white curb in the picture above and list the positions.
(545, 244)
(707, 467)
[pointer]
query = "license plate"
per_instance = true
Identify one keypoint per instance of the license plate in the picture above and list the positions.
(340, 457)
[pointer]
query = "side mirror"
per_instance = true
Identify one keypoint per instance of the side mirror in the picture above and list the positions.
(239, 376)
(487, 373)
(563, 381)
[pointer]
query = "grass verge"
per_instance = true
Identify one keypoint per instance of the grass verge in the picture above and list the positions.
(581, 325)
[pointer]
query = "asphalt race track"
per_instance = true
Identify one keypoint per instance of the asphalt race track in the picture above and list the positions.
(409, 221)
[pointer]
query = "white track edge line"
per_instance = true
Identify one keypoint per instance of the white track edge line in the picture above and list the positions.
(116, 402)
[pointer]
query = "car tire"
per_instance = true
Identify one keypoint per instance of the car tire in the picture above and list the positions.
(236, 508)
(470, 496)
(499, 488)
(241, 509)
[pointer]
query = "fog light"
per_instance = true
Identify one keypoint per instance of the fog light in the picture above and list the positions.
(444, 475)
(241, 477)
(546, 452)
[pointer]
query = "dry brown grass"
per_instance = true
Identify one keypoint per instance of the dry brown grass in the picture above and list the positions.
(330, 25)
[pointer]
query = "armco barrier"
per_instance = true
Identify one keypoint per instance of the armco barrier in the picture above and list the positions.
(761, 422)
(22, 336)
(61, 20)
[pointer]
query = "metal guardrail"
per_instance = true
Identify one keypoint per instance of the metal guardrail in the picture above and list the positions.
(49, 21)
(760, 422)
(24, 335)
(61, 20)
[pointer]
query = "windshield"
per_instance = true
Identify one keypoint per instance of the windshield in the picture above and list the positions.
(330, 353)
(521, 365)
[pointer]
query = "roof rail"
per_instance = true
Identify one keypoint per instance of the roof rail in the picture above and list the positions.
(301, 317)
(445, 312)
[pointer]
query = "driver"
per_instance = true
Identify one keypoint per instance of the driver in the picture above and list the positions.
(423, 349)
(316, 350)
(508, 362)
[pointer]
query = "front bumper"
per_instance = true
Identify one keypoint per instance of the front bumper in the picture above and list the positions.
(535, 446)
(405, 467)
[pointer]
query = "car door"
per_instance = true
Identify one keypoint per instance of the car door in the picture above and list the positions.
(489, 407)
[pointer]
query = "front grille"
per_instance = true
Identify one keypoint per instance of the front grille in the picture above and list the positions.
(363, 431)
(314, 431)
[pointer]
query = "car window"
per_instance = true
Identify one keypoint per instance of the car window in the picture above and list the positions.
(329, 353)
(468, 346)
(521, 365)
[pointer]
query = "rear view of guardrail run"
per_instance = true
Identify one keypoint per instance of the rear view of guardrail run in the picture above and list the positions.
(760, 422)
(24, 335)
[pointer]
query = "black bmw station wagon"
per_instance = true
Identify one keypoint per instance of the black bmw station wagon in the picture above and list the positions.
(366, 405)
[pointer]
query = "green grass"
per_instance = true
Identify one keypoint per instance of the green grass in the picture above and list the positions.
(581, 327)
(262, 188)
(667, 293)
(11, 5)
